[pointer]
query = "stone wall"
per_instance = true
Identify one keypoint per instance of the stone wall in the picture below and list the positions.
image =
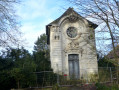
(83, 44)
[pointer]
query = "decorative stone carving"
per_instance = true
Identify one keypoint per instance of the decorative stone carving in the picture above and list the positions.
(73, 18)
(73, 46)
(56, 32)
(55, 29)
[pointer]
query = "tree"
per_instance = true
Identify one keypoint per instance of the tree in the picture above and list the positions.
(6, 79)
(106, 14)
(19, 64)
(42, 62)
(8, 23)
(41, 43)
(24, 67)
(103, 12)
(41, 54)
(41, 58)
(6, 65)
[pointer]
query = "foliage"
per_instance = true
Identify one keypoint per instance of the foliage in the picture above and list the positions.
(56, 87)
(105, 62)
(19, 66)
(43, 63)
(106, 87)
(93, 78)
(17, 75)
(41, 43)
(41, 59)
(46, 78)
(41, 54)
(6, 63)
(104, 74)
(6, 79)
(24, 67)
(102, 87)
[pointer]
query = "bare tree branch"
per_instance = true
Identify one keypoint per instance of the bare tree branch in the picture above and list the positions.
(9, 27)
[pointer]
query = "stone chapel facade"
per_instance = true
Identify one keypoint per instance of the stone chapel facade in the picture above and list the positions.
(71, 39)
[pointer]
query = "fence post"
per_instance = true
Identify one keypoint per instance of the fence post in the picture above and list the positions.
(58, 79)
(36, 80)
(111, 74)
(86, 76)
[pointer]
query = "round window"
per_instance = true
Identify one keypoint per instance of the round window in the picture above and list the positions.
(72, 32)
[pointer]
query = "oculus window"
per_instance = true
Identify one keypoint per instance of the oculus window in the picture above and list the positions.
(72, 32)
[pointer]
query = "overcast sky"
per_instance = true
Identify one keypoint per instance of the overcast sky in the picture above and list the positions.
(35, 15)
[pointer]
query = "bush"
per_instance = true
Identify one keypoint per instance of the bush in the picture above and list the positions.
(106, 87)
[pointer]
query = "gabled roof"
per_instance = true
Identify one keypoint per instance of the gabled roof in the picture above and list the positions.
(67, 12)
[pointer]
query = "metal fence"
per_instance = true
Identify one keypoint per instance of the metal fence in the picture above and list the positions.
(48, 78)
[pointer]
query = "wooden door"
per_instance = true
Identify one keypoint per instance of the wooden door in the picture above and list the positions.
(73, 60)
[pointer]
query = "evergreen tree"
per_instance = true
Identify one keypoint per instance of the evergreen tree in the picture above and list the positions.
(19, 64)
(41, 54)
(41, 43)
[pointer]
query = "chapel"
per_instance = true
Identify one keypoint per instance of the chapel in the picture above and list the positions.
(71, 40)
